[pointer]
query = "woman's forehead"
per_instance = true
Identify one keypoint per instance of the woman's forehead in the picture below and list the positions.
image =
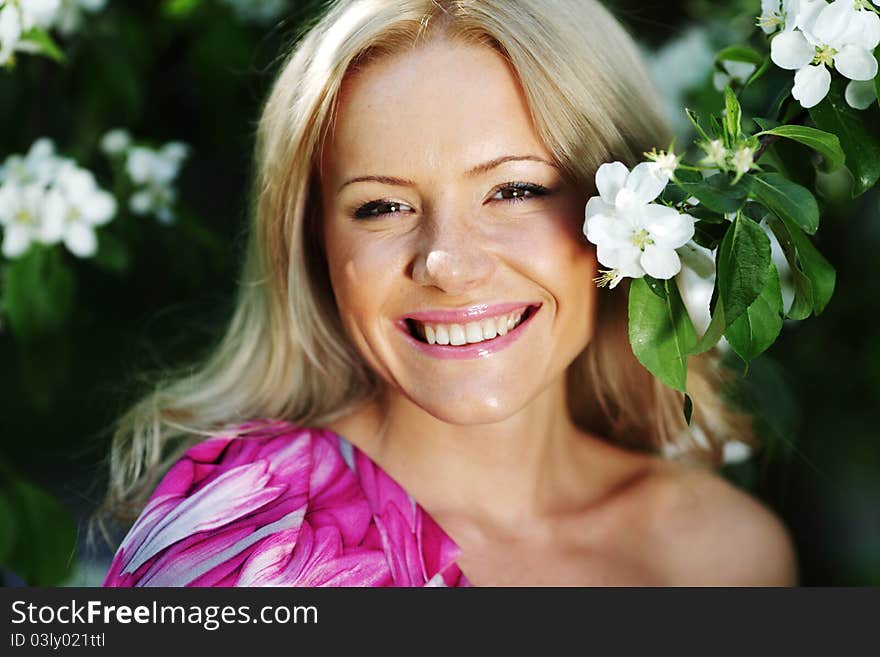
(440, 104)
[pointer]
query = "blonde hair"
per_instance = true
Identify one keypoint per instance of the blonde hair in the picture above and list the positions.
(285, 354)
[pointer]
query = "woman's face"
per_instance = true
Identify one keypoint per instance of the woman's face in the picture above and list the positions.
(446, 221)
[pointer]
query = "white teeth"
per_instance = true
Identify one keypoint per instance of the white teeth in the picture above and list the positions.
(456, 335)
(471, 333)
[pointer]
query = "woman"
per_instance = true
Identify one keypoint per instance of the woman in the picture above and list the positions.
(421, 384)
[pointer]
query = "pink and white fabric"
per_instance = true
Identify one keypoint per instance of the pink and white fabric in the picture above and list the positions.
(270, 504)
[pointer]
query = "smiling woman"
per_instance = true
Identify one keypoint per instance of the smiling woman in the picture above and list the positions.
(420, 383)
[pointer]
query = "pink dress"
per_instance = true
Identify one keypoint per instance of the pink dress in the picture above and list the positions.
(270, 504)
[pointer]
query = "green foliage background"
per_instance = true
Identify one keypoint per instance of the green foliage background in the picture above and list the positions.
(190, 70)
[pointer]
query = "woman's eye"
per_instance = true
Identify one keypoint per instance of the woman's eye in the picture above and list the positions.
(514, 192)
(378, 209)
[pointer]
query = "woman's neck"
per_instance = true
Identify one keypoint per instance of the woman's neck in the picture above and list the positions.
(519, 472)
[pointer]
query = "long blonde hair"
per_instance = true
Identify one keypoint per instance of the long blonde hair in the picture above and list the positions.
(285, 354)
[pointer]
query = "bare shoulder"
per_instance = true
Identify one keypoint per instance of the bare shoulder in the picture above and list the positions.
(704, 531)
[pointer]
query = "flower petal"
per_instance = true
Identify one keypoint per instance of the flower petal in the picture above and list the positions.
(80, 239)
(668, 228)
(628, 262)
(870, 24)
(100, 208)
(596, 206)
(659, 262)
(790, 50)
(608, 231)
(16, 239)
(856, 63)
(646, 182)
(860, 94)
(836, 23)
(607, 256)
(54, 217)
(610, 178)
(811, 85)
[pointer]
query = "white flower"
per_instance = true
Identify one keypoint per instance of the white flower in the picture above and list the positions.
(716, 153)
(17, 18)
(21, 211)
(70, 14)
(776, 14)
(662, 163)
(74, 206)
(738, 72)
(860, 94)
(115, 142)
(48, 199)
(743, 159)
(10, 31)
(38, 13)
(634, 236)
(842, 35)
(39, 165)
(154, 171)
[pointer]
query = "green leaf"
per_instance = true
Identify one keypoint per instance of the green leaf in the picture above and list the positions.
(709, 234)
(674, 195)
(790, 159)
(688, 408)
(813, 264)
(717, 193)
(802, 304)
(39, 293)
(859, 134)
(46, 537)
(743, 259)
(759, 73)
(44, 42)
(732, 115)
(657, 286)
(695, 121)
(660, 332)
(739, 54)
(819, 140)
(758, 327)
(786, 199)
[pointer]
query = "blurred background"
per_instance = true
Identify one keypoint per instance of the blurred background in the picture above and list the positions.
(147, 112)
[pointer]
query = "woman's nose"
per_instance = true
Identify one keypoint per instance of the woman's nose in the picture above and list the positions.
(452, 260)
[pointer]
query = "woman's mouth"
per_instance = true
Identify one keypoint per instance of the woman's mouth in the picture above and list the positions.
(469, 333)
(480, 336)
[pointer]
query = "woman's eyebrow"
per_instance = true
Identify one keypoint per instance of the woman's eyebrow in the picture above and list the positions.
(470, 173)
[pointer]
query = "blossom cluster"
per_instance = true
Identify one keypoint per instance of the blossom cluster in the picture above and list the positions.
(633, 235)
(151, 171)
(49, 199)
(19, 18)
(813, 36)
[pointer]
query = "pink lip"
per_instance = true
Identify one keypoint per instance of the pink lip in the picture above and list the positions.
(476, 350)
(465, 315)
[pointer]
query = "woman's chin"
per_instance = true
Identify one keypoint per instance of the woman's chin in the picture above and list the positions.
(467, 409)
